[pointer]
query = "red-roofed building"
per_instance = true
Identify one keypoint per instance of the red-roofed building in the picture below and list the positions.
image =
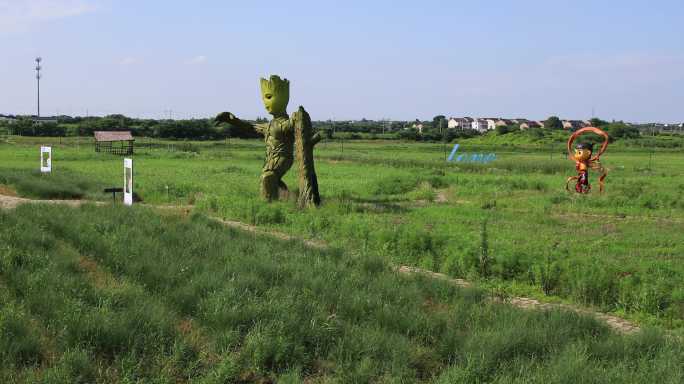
(116, 142)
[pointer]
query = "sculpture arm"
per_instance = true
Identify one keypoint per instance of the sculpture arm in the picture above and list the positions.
(262, 128)
(227, 117)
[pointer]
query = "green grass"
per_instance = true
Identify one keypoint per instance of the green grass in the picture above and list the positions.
(620, 252)
(116, 294)
(57, 185)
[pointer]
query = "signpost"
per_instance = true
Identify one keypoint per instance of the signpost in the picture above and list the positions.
(128, 181)
(45, 159)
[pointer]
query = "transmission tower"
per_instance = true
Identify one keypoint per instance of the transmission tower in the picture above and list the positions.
(38, 76)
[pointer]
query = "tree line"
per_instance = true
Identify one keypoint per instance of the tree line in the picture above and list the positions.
(205, 129)
(196, 129)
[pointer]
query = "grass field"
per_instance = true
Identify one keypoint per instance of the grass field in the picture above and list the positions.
(113, 295)
(507, 225)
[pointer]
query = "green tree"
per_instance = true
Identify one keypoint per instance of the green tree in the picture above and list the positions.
(535, 133)
(437, 120)
(502, 129)
(24, 127)
(596, 122)
(620, 130)
(49, 129)
(72, 129)
(553, 122)
(409, 134)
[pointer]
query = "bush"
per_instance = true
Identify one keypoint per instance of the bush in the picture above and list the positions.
(409, 134)
(621, 131)
(502, 129)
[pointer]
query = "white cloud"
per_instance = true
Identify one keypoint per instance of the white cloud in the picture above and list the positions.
(129, 61)
(198, 60)
(19, 15)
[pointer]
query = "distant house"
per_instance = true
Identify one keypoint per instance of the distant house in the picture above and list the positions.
(491, 123)
(507, 122)
(573, 125)
(115, 142)
(460, 123)
(480, 125)
(527, 124)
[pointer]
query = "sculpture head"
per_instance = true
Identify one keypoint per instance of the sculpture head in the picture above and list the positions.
(275, 93)
(583, 151)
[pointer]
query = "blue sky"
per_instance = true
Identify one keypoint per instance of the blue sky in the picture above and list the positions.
(347, 59)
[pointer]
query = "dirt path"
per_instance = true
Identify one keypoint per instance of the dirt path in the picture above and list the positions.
(10, 202)
(278, 235)
(619, 217)
(616, 323)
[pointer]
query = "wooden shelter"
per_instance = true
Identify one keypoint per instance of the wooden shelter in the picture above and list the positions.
(115, 142)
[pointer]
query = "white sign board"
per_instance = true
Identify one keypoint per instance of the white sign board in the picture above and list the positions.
(128, 181)
(45, 159)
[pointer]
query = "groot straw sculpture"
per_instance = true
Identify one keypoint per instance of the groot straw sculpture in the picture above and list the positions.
(279, 135)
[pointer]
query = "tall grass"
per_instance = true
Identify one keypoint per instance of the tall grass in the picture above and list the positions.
(58, 185)
(403, 203)
(123, 295)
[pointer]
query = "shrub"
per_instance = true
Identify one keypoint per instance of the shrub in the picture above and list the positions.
(549, 274)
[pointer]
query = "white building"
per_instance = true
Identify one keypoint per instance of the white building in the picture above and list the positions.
(530, 124)
(573, 125)
(460, 123)
(507, 122)
(418, 125)
(480, 125)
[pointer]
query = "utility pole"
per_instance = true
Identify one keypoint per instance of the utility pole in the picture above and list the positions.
(38, 76)
(341, 141)
(441, 130)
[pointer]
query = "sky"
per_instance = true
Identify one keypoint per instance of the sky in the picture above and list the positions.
(374, 59)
